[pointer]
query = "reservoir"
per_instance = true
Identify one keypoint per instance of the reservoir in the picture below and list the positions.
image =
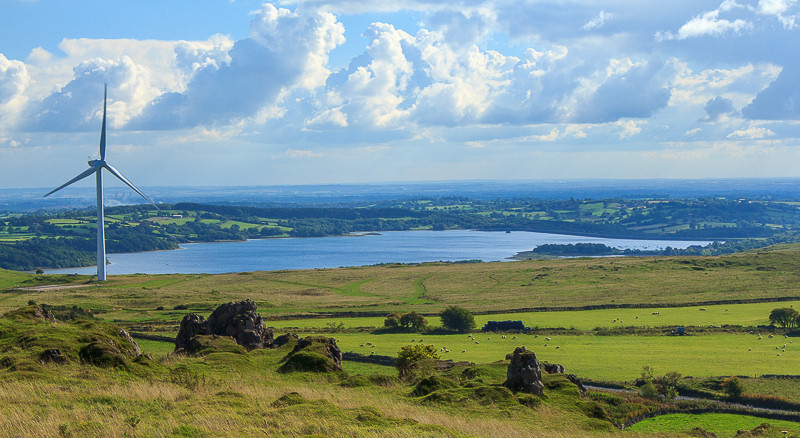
(354, 250)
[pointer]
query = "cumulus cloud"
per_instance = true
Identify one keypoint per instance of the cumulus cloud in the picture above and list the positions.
(285, 50)
(751, 133)
(709, 24)
(14, 80)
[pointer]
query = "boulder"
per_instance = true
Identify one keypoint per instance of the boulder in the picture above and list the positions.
(240, 321)
(313, 353)
(553, 368)
(524, 372)
(577, 382)
(284, 339)
(237, 320)
(191, 326)
(53, 355)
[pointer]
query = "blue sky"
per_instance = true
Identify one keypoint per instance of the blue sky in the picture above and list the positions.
(219, 92)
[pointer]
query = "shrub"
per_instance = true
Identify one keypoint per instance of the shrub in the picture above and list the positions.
(410, 356)
(457, 318)
(733, 387)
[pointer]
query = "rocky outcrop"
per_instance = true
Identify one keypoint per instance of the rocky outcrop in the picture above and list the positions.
(237, 320)
(524, 372)
(41, 312)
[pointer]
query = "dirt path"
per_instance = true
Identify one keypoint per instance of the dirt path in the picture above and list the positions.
(51, 287)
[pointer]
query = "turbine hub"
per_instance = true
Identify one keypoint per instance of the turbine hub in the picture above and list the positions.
(95, 162)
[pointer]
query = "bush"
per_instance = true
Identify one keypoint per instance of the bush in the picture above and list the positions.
(733, 387)
(410, 356)
(457, 318)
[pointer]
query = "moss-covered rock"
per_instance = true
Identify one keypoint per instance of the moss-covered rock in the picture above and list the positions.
(432, 383)
(313, 354)
(206, 344)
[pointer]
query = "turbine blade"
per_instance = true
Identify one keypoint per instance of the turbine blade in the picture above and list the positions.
(103, 129)
(83, 175)
(116, 173)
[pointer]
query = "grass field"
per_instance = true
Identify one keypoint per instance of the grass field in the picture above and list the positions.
(116, 399)
(723, 425)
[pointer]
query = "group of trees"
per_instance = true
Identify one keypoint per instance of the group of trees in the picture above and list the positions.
(786, 317)
(453, 318)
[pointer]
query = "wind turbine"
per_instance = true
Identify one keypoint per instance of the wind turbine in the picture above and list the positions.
(96, 167)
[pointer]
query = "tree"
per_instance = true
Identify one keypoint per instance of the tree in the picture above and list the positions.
(392, 320)
(414, 321)
(733, 387)
(786, 317)
(457, 318)
(410, 356)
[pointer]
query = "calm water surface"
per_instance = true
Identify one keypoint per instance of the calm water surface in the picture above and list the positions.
(338, 251)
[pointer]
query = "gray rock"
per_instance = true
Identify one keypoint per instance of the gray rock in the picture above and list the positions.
(238, 320)
(524, 372)
(553, 368)
(53, 355)
(191, 326)
(577, 382)
(135, 350)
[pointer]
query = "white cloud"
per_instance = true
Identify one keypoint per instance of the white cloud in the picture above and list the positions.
(598, 21)
(752, 132)
(303, 153)
(14, 80)
(629, 129)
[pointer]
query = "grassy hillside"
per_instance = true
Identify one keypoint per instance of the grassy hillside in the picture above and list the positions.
(230, 394)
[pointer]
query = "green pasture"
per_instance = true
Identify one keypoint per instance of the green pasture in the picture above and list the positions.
(723, 425)
(612, 358)
(717, 315)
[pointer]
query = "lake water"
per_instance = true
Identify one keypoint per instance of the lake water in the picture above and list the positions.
(339, 251)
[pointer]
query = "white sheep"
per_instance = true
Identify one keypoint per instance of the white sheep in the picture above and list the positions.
(546, 339)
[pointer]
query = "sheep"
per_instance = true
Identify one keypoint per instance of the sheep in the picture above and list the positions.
(477, 342)
(545, 345)
(771, 336)
(779, 355)
(749, 349)
(516, 338)
(557, 348)
(703, 309)
(503, 337)
(546, 339)
(413, 340)
(489, 338)
(463, 351)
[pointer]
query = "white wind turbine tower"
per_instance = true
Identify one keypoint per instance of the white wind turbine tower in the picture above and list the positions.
(96, 167)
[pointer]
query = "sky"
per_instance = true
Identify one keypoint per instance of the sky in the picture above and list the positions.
(243, 93)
